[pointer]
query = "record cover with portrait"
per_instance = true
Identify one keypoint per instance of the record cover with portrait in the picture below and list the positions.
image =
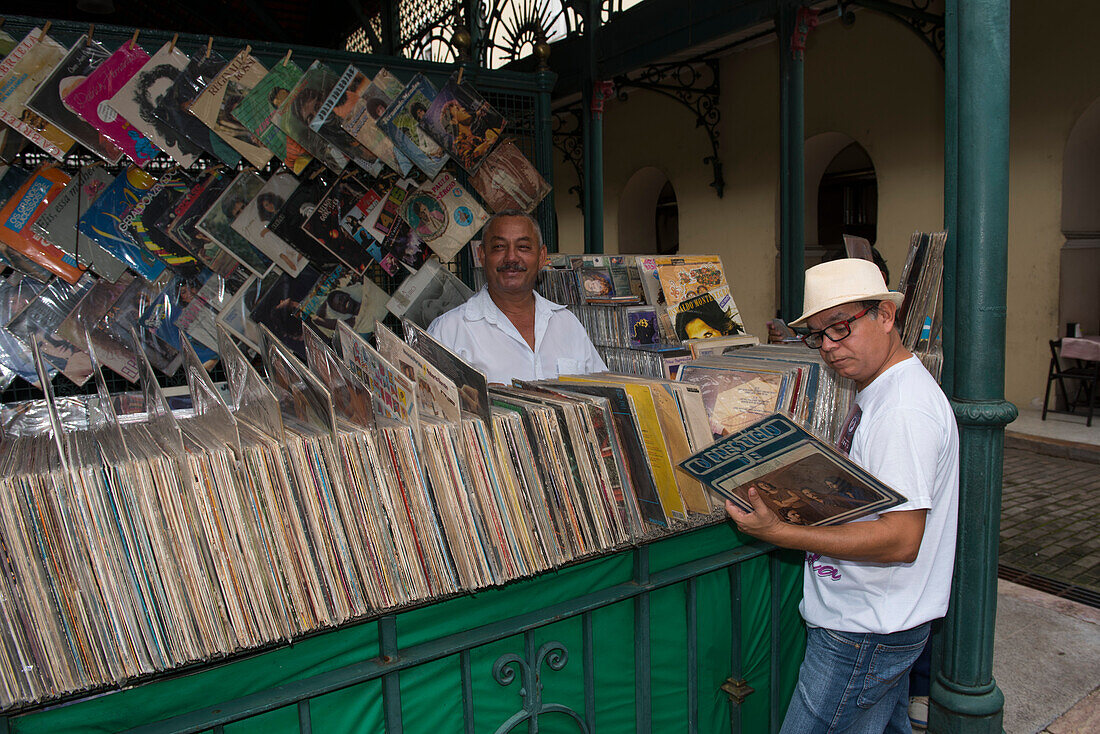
(278, 308)
(301, 106)
(90, 99)
(362, 123)
(258, 109)
(189, 84)
(507, 180)
(252, 222)
(462, 122)
(342, 295)
(21, 72)
(216, 223)
(179, 222)
(141, 96)
(333, 223)
(341, 102)
(81, 60)
(444, 215)
(313, 184)
(214, 106)
(803, 479)
(401, 122)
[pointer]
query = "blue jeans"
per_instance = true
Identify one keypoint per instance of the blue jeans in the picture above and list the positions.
(854, 683)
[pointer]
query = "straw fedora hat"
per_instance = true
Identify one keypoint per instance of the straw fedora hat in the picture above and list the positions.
(843, 281)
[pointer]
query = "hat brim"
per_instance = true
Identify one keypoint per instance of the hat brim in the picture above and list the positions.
(892, 296)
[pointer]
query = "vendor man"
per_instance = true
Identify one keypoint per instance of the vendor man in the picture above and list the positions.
(506, 329)
(871, 587)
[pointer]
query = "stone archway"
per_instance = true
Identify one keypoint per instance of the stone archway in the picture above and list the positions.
(841, 193)
(648, 214)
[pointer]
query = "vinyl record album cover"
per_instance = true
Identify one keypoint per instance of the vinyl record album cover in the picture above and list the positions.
(214, 106)
(401, 122)
(462, 122)
(507, 180)
(21, 72)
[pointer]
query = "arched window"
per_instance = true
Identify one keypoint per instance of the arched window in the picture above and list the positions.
(649, 221)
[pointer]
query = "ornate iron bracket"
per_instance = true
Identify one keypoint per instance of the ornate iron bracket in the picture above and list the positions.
(555, 656)
(929, 26)
(695, 85)
(569, 140)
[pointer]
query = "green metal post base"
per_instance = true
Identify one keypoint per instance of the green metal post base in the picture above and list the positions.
(972, 711)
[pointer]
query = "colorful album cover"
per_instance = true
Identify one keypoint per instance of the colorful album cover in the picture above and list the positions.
(507, 180)
(301, 106)
(333, 223)
(57, 224)
(342, 295)
(21, 72)
(201, 69)
(214, 106)
(140, 221)
(687, 277)
(313, 184)
(641, 324)
(362, 123)
(710, 314)
(22, 209)
(252, 222)
(81, 60)
(329, 120)
(596, 283)
(461, 121)
(390, 210)
(103, 222)
(396, 393)
(405, 245)
(401, 122)
(216, 223)
(258, 109)
(89, 100)
(278, 308)
(444, 215)
(142, 95)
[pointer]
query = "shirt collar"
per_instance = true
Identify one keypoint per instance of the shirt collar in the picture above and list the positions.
(481, 306)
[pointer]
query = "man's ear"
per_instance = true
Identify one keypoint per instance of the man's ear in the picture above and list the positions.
(887, 313)
(544, 257)
(481, 253)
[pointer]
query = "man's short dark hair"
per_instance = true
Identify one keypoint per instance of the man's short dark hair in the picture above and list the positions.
(514, 213)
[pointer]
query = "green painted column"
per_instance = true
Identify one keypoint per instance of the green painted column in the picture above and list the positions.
(950, 188)
(965, 698)
(593, 135)
(544, 151)
(792, 233)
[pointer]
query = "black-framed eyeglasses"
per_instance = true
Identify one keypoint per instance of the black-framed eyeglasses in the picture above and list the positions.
(837, 331)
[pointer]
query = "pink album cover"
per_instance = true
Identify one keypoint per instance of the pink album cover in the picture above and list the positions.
(90, 100)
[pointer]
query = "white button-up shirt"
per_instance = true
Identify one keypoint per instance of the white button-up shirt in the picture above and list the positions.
(481, 334)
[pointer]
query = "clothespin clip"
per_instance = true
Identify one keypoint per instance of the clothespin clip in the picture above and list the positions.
(173, 46)
(133, 38)
(461, 69)
(209, 46)
(91, 29)
(286, 59)
(45, 29)
(248, 50)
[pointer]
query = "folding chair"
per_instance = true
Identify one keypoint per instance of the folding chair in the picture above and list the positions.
(1087, 375)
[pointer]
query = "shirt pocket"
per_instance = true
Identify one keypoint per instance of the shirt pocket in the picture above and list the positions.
(569, 366)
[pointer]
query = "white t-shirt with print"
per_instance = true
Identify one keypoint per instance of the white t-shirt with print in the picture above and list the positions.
(908, 438)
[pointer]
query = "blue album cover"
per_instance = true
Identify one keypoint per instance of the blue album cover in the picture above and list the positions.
(109, 218)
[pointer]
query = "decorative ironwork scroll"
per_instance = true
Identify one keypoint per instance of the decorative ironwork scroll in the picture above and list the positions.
(569, 140)
(555, 656)
(695, 85)
(916, 16)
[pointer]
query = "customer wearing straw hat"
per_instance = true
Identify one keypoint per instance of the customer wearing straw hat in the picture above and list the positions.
(872, 586)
